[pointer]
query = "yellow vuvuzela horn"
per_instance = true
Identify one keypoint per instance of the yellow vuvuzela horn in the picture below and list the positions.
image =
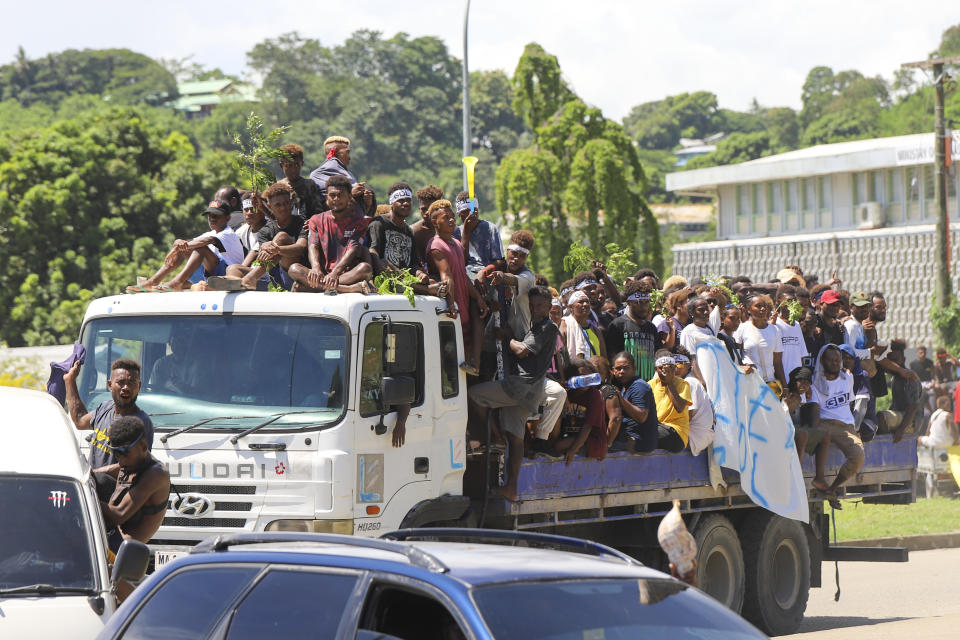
(470, 162)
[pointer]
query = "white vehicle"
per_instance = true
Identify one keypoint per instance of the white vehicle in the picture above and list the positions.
(269, 408)
(54, 581)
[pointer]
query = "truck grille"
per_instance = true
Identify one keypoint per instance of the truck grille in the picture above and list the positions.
(232, 523)
(226, 489)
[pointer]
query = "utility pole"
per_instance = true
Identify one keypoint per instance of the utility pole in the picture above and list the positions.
(467, 137)
(944, 289)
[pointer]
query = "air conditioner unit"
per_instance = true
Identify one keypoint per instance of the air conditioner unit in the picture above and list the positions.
(869, 215)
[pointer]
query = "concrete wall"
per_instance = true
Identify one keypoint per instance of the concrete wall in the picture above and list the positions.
(899, 262)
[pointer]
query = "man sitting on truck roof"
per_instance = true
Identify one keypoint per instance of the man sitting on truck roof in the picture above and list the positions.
(281, 245)
(209, 254)
(338, 259)
(307, 200)
(135, 489)
(519, 396)
(337, 149)
(124, 386)
(423, 231)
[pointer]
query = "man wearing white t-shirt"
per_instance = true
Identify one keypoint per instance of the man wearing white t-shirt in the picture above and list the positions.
(208, 254)
(253, 221)
(835, 395)
(791, 333)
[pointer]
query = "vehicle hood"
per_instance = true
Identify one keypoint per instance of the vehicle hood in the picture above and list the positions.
(54, 617)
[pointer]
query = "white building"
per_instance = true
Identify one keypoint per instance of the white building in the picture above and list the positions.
(864, 208)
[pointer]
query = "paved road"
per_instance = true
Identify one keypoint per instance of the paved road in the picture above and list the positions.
(880, 601)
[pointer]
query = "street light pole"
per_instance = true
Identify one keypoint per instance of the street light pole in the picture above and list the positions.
(944, 290)
(467, 137)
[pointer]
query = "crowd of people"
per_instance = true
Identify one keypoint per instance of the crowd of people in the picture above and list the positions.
(588, 365)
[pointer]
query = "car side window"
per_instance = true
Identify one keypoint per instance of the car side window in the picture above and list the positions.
(292, 604)
(189, 604)
(408, 614)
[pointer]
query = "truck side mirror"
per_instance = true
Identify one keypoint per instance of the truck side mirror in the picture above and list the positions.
(394, 390)
(131, 562)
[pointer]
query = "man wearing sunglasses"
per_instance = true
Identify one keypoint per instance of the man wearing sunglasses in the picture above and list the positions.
(134, 491)
(124, 386)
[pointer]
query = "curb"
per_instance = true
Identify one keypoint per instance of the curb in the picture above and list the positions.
(922, 542)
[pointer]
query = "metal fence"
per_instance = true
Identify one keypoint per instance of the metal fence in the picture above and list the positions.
(899, 262)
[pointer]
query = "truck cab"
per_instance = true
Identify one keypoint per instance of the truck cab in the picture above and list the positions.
(274, 411)
(53, 548)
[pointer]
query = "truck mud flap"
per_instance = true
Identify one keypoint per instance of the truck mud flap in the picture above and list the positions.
(866, 554)
(442, 509)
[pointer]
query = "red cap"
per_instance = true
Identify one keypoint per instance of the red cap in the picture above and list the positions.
(829, 297)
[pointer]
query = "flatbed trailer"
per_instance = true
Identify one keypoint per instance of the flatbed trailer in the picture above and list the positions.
(757, 563)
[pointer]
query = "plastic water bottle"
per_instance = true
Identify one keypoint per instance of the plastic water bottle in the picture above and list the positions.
(579, 382)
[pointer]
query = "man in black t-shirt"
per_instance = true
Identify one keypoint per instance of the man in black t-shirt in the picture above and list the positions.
(392, 242)
(282, 245)
(633, 332)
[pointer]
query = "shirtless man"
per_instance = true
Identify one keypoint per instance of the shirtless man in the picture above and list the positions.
(133, 491)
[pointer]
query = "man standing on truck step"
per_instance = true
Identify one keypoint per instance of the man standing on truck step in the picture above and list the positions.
(124, 386)
(519, 396)
(135, 489)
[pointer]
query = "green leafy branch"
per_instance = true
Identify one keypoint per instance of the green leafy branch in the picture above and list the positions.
(794, 308)
(579, 258)
(253, 160)
(396, 282)
(946, 321)
(619, 263)
(717, 282)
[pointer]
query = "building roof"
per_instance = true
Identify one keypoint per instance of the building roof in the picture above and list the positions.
(824, 159)
(203, 86)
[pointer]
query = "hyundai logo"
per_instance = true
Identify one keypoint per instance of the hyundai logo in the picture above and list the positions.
(193, 505)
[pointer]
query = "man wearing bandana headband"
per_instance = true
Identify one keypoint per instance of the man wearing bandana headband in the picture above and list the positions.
(633, 332)
(480, 238)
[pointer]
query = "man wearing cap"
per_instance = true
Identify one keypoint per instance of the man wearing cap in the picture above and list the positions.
(788, 275)
(337, 149)
(230, 196)
(831, 329)
(206, 255)
(671, 393)
(863, 347)
(135, 489)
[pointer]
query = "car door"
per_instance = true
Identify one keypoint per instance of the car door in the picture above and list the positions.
(385, 471)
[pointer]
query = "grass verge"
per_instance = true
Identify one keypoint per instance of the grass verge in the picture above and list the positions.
(867, 521)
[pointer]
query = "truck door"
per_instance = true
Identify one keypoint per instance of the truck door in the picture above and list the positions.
(390, 480)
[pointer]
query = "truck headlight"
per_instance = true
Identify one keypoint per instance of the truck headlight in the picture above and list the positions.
(312, 526)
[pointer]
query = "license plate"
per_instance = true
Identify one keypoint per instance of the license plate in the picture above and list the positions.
(161, 558)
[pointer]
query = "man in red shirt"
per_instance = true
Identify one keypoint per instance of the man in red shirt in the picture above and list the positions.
(338, 259)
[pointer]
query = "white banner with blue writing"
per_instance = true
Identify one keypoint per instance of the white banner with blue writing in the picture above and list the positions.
(754, 434)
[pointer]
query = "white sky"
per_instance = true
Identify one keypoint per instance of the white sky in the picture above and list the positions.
(615, 53)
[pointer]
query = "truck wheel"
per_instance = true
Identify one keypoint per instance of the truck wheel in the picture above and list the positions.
(777, 562)
(720, 569)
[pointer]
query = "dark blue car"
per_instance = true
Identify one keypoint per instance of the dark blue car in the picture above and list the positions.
(427, 584)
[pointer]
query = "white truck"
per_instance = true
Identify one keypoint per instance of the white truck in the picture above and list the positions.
(273, 412)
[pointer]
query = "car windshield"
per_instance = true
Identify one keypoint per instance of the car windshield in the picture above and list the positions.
(608, 609)
(45, 537)
(238, 371)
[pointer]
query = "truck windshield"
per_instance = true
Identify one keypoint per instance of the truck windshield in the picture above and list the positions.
(45, 537)
(613, 609)
(239, 370)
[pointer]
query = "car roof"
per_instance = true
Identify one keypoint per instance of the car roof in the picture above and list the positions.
(470, 563)
(37, 437)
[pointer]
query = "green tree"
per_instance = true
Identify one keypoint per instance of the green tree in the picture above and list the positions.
(739, 147)
(589, 163)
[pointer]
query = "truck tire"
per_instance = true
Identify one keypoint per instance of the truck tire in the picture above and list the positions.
(720, 571)
(777, 562)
